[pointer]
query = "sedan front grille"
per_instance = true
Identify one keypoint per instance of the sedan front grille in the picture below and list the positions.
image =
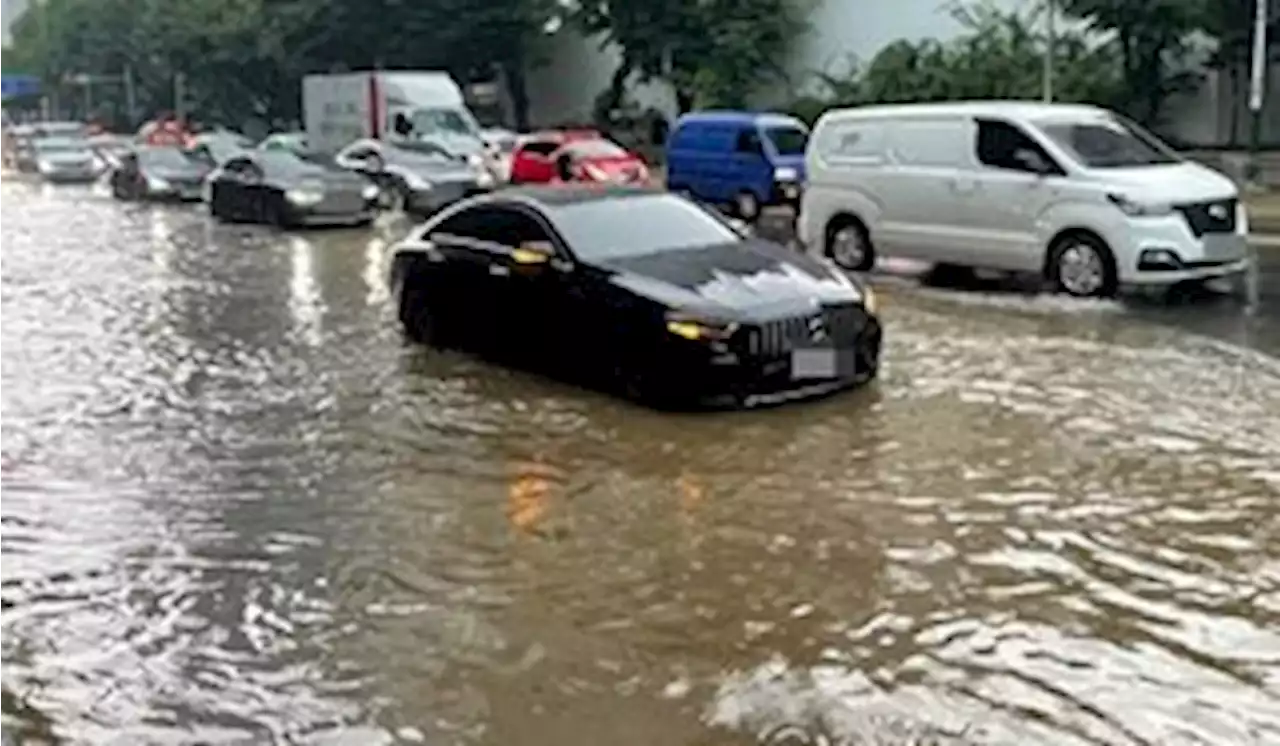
(833, 326)
(341, 203)
(1218, 216)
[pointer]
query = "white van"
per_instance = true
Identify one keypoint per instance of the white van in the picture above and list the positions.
(1077, 193)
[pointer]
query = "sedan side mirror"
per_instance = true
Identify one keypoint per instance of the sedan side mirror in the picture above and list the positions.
(533, 252)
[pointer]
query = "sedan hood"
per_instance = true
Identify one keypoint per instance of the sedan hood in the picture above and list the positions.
(195, 173)
(751, 280)
(66, 159)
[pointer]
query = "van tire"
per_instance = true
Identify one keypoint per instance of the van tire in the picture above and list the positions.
(747, 206)
(1081, 264)
(861, 260)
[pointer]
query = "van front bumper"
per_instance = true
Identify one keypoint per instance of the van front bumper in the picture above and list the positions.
(1164, 250)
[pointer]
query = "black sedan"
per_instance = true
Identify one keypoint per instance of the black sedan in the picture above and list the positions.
(419, 178)
(639, 287)
(279, 187)
(158, 172)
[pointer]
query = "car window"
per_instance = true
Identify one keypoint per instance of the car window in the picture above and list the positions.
(594, 149)
(501, 225)
(1108, 142)
(748, 141)
(787, 140)
(542, 147)
(163, 158)
(602, 229)
(998, 142)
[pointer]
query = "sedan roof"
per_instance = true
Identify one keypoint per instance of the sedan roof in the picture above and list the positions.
(573, 194)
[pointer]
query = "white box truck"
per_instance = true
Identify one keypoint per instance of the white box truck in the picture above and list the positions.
(389, 105)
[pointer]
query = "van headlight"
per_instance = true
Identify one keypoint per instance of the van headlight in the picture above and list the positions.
(370, 191)
(1136, 209)
(786, 173)
(157, 184)
(304, 197)
(44, 167)
(484, 180)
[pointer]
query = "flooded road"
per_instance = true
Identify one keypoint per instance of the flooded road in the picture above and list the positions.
(237, 509)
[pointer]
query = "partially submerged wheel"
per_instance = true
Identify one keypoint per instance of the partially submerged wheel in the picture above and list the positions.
(849, 245)
(1081, 265)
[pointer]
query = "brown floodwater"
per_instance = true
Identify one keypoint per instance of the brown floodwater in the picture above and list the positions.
(238, 508)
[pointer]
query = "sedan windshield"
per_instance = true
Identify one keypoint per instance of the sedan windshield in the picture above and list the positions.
(603, 229)
(1110, 142)
(51, 146)
(595, 149)
(164, 158)
(787, 140)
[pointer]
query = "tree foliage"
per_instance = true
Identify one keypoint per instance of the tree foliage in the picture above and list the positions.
(1152, 38)
(713, 52)
(242, 58)
(997, 55)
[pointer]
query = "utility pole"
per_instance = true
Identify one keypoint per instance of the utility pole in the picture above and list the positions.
(1257, 78)
(179, 95)
(1050, 51)
(130, 97)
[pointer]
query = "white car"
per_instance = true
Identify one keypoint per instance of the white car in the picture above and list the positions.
(1077, 193)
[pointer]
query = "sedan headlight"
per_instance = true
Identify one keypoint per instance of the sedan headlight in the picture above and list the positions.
(786, 173)
(304, 197)
(157, 184)
(1135, 209)
(700, 329)
(45, 167)
(869, 300)
(370, 191)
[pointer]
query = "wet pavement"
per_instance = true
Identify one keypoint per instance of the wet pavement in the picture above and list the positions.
(239, 509)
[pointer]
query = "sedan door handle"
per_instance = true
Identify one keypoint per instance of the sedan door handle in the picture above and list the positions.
(497, 270)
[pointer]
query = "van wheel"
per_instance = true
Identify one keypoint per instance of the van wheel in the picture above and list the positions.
(849, 245)
(1081, 265)
(746, 206)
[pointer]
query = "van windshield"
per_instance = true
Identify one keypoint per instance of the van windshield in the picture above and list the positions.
(787, 140)
(1110, 142)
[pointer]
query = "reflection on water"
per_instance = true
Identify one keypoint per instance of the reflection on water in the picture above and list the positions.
(305, 303)
(239, 509)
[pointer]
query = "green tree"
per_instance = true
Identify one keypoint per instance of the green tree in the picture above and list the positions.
(1151, 36)
(997, 55)
(713, 52)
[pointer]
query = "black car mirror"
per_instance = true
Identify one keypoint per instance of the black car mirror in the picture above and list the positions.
(533, 253)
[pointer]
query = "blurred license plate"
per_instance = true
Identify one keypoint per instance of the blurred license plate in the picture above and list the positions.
(821, 363)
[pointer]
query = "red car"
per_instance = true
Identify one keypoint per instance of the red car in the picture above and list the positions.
(574, 156)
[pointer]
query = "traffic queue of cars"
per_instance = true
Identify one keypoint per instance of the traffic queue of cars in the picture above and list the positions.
(584, 267)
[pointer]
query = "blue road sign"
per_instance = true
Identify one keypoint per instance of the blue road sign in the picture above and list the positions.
(18, 85)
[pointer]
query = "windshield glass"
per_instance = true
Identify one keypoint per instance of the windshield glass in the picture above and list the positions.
(434, 121)
(1109, 142)
(288, 162)
(595, 149)
(602, 229)
(50, 145)
(164, 158)
(787, 140)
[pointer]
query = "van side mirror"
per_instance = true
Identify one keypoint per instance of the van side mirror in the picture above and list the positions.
(1031, 161)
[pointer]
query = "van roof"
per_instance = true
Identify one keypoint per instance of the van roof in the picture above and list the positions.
(1021, 110)
(729, 116)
